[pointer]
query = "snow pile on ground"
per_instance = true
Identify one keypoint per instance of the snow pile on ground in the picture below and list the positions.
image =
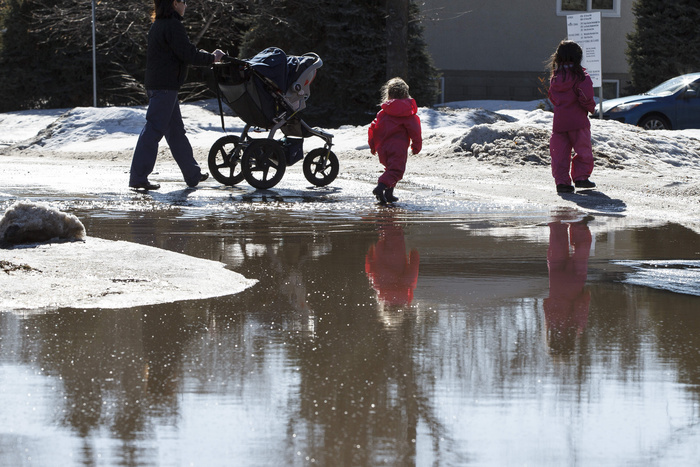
(95, 273)
(100, 273)
(503, 143)
(83, 128)
(632, 146)
(28, 222)
(500, 140)
(496, 132)
(24, 125)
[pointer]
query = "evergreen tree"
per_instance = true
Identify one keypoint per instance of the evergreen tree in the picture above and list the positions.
(664, 42)
(58, 71)
(21, 70)
(355, 56)
(422, 74)
(350, 38)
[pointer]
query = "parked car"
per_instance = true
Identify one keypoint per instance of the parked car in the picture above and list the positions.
(672, 105)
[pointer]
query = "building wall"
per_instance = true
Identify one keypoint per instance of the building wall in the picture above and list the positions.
(498, 49)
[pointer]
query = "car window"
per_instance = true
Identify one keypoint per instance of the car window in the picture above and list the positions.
(669, 87)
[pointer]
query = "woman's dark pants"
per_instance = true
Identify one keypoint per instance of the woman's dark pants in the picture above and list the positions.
(163, 119)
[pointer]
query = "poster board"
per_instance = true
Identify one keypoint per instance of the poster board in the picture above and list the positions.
(584, 29)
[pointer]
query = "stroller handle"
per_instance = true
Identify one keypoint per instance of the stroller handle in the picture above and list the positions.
(313, 55)
(234, 60)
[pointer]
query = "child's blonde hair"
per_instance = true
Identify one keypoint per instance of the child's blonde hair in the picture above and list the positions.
(395, 88)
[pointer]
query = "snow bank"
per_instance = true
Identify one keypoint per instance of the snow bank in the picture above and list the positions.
(28, 222)
(83, 128)
(507, 140)
(100, 273)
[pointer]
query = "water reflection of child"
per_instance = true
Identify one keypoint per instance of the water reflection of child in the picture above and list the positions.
(392, 274)
(566, 308)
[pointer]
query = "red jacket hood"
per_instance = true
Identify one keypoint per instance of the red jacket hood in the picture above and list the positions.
(400, 107)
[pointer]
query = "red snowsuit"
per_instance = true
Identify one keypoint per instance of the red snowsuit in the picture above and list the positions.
(572, 100)
(566, 308)
(397, 125)
(392, 274)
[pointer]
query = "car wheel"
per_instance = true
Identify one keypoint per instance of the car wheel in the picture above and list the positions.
(654, 122)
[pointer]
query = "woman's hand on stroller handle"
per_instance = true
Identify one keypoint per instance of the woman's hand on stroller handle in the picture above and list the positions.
(218, 55)
(229, 59)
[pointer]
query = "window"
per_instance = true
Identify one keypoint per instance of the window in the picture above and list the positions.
(571, 7)
(611, 88)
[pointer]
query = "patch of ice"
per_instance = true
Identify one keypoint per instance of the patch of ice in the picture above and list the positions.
(675, 276)
(101, 273)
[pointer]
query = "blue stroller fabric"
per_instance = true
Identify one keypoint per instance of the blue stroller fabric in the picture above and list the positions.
(282, 69)
(272, 63)
(252, 99)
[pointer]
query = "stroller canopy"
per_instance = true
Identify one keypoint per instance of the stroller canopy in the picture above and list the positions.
(282, 69)
(278, 83)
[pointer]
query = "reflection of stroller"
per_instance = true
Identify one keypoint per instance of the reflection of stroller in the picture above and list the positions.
(266, 92)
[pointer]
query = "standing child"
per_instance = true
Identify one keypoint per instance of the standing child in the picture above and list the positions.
(396, 127)
(571, 94)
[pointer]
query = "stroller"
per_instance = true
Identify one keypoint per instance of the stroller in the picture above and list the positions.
(267, 92)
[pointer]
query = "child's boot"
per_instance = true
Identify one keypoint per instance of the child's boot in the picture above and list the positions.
(583, 184)
(379, 193)
(389, 195)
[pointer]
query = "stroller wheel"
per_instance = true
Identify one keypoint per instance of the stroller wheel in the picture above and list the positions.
(319, 169)
(225, 160)
(263, 163)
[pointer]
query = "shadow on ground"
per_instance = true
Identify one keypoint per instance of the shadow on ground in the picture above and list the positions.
(596, 200)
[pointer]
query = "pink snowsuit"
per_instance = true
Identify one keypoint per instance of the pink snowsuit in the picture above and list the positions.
(572, 100)
(397, 125)
(393, 275)
(567, 307)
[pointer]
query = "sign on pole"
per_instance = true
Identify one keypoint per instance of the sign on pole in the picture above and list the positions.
(584, 29)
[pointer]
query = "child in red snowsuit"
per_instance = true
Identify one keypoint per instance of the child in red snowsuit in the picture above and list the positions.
(396, 127)
(571, 95)
(567, 307)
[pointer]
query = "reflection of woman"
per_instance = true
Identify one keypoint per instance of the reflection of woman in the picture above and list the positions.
(566, 308)
(392, 274)
(169, 53)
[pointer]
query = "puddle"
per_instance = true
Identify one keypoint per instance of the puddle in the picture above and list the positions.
(373, 337)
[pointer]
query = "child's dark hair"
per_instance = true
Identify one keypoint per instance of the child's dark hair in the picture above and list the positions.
(395, 88)
(568, 53)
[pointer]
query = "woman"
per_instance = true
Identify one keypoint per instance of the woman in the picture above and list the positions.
(168, 55)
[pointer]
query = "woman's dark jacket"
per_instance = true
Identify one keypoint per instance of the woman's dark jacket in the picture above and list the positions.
(169, 52)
